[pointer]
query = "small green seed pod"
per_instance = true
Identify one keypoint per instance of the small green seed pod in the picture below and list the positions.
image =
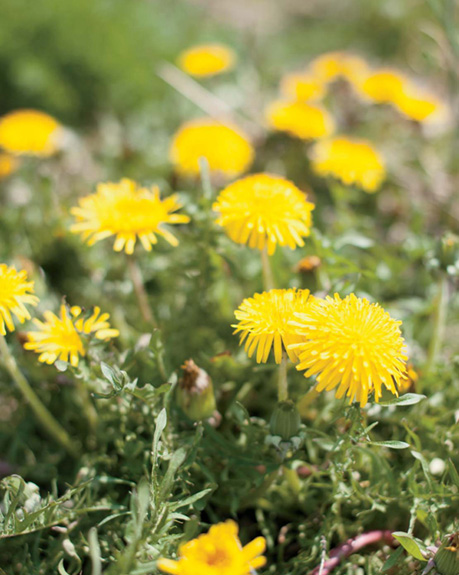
(195, 392)
(447, 557)
(285, 420)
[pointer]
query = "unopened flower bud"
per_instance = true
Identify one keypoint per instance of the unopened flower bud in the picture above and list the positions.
(195, 392)
(447, 252)
(447, 557)
(307, 264)
(285, 420)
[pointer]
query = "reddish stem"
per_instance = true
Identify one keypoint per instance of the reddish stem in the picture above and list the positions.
(351, 546)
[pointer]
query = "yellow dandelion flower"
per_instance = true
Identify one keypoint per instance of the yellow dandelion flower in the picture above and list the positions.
(350, 344)
(333, 65)
(29, 132)
(8, 165)
(207, 60)
(420, 106)
(61, 337)
(264, 210)
(302, 86)
(264, 323)
(383, 86)
(15, 293)
(126, 211)
(218, 552)
(351, 161)
(299, 119)
(228, 151)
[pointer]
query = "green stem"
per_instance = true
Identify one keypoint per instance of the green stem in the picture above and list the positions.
(88, 406)
(439, 322)
(42, 414)
(268, 279)
(140, 292)
(205, 179)
(282, 384)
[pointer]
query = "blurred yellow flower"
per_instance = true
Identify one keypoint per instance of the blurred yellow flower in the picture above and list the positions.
(351, 161)
(350, 344)
(218, 552)
(264, 210)
(300, 119)
(207, 60)
(228, 151)
(383, 86)
(126, 211)
(8, 165)
(264, 323)
(420, 105)
(29, 132)
(333, 65)
(302, 86)
(409, 379)
(15, 293)
(60, 337)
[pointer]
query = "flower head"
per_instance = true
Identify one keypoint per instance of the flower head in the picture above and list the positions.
(218, 552)
(207, 60)
(420, 105)
(350, 344)
(302, 86)
(264, 210)
(29, 132)
(332, 65)
(15, 293)
(8, 165)
(299, 119)
(225, 147)
(128, 212)
(351, 161)
(383, 86)
(264, 322)
(64, 337)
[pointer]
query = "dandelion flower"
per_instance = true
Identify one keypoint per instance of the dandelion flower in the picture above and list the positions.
(383, 86)
(420, 106)
(351, 161)
(264, 210)
(225, 147)
(29, 132)
(302, 86)
(64, 337)
(218, 552)
(333, 65)
(126, 211)
(8, 165)
(207, 60)
(264, 323)
(350, 344)
(299, 119)
(15, 293)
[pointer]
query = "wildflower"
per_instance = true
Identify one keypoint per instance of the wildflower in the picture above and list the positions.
(351, 161)
(126, 211)
(333, 65)
(302, 86)
(420, 106)
(15, 293)
(207, 60)
(218, 552)
(63, 337)
(29, 132)
(299, 119)
(383, 86)
(350, 344)
(195, 392)
(264, 323)
(264, 210)
(8, 165)
(225, 147)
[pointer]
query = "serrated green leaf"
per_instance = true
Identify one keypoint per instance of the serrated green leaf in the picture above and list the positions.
(406, 399)
(410, 545)
(393, 559)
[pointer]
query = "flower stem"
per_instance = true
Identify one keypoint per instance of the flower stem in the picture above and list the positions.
(268, 280)
(205, 178)
(140, 292)
(439, 320)
(282, 384)
(42, 414)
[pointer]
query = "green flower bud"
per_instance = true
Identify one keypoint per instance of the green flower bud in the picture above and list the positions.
(447, 557)
(195, 392)
(447, 252)
(285, 420)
